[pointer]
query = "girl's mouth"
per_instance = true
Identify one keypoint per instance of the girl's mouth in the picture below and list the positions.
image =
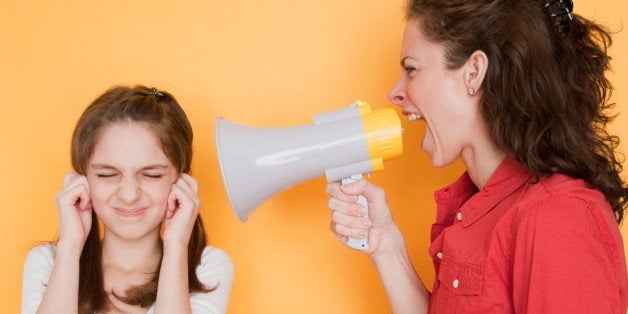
(130, 212)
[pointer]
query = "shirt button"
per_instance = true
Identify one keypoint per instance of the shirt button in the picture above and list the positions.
(459, 216)
(455, 283)
(439, 255)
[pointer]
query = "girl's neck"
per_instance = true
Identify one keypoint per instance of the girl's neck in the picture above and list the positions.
(132, 255)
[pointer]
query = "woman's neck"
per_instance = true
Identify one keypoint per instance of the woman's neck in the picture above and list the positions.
(481, 161)
(132, 255)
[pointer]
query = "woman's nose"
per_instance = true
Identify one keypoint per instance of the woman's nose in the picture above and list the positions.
(129, 191)
(397, 94)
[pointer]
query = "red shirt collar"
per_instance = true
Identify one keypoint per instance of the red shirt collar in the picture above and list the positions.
(473, 204)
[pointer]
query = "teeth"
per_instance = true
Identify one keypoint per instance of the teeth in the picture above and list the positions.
(414, 116)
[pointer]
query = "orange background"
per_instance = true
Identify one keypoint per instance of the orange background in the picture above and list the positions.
(262, 63)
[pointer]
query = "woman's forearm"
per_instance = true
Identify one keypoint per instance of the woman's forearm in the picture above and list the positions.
(173, 292)
(61, 295)
(406, 292)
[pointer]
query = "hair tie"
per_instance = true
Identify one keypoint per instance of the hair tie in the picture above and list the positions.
(560, 13)
(157, 93)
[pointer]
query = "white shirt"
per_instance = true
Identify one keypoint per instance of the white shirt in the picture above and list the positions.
(215, 270)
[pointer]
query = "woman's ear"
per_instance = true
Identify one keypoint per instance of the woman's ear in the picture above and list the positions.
(474, 71)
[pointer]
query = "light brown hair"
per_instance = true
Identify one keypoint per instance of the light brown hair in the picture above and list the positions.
(545, 97)
(160, 111)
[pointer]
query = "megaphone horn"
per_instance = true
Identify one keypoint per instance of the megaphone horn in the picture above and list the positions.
(257, 163)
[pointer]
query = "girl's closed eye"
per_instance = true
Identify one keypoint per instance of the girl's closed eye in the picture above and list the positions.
(153, 175)
(106, 175)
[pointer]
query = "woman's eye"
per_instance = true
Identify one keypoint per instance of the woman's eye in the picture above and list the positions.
(154, 176)
(106, 175)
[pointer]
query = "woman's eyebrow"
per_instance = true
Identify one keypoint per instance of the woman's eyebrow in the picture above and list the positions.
(403, 61)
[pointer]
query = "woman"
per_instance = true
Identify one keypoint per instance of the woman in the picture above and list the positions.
(517, 89)
(131, 153)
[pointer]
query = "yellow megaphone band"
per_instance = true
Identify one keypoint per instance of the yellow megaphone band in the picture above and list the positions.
(382, 128)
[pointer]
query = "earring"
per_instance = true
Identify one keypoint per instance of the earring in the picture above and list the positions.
(471, 91)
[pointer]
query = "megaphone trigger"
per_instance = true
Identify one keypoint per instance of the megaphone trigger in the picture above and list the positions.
(355, 243)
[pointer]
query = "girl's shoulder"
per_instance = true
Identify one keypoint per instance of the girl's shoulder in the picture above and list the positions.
(42, 255)
(214, 261)
(212, 252)
(215, 270)
(37, 269)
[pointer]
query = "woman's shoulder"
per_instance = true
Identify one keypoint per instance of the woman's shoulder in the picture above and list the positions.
(561, 205)
(562, 191)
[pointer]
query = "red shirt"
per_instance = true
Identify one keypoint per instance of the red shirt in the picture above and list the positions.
(518, 246)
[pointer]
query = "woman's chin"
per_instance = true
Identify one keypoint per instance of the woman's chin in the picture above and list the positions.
(439, 161)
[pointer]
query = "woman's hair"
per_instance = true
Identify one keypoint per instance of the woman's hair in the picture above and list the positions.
(545, 96)
(159, 111)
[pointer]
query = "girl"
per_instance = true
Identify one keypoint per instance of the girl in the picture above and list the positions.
(131, 153)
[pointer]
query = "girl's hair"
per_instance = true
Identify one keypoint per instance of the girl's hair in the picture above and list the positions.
(159, 111)
(545, 97)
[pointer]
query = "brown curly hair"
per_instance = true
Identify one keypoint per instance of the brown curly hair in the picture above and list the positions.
(545, 97)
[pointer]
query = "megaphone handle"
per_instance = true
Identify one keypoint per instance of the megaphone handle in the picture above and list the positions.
(358, 244)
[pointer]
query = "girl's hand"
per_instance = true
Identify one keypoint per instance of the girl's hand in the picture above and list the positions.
(347, 217)
(183, 206)
(75, 210)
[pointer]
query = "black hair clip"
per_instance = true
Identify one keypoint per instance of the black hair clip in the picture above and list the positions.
(560, 13)
(157, 93)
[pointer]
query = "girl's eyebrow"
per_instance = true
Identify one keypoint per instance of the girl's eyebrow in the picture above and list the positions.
(102, 166)
(109, 167)
(153, 167)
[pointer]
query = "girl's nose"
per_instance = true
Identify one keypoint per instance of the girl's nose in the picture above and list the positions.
(129, 191)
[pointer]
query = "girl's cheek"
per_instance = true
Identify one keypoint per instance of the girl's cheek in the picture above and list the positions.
(101, 192)
(160, 190)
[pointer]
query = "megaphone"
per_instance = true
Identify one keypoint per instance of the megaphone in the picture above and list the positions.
(257, 163)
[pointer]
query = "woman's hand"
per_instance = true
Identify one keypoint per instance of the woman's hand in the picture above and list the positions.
(75, 210)
(347, 217)
(183, 206)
